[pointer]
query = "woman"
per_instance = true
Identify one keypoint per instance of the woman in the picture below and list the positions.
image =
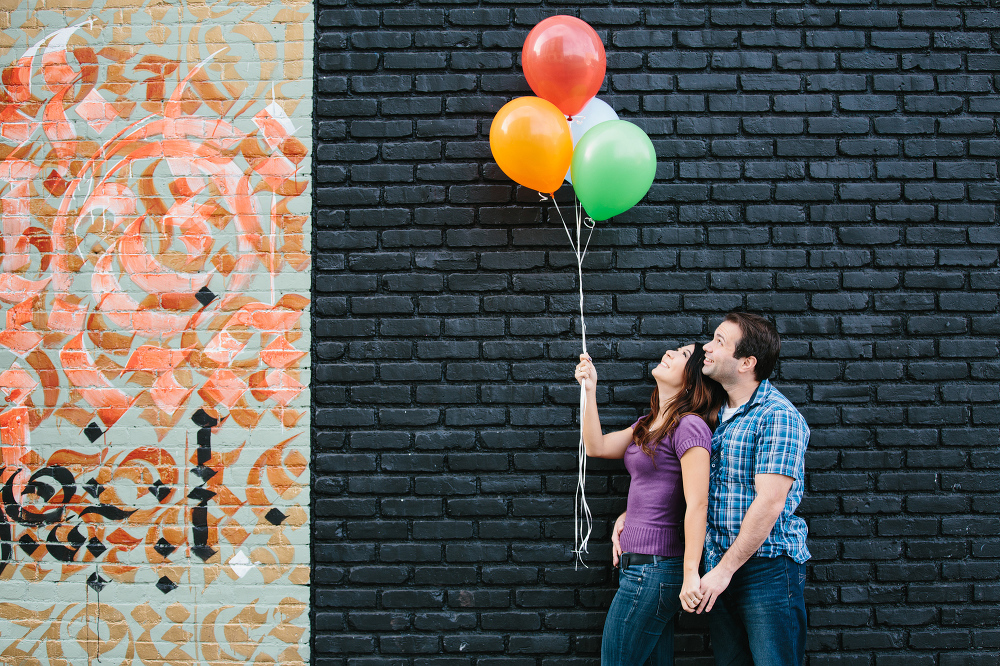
(667, 454)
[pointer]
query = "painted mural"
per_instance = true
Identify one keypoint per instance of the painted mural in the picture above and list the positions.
(154, 310)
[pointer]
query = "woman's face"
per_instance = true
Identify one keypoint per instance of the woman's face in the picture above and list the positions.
(670, 370)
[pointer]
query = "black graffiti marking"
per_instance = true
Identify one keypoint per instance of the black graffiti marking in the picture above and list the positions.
(199, 514)
(205, 296)
(22, 515)
(108, 511)
(65, 553)
(164, 548)
(93, 431)
(160, 491)
(93, 488)
(54, 486)
(202, 419)
(205, 473)
(95, 547)
(201, 495)
(6, 536)
(204, 445)
(199, 530)
(166, 585)
(28, 545)
(97, 584)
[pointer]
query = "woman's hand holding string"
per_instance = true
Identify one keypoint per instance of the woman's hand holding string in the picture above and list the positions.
(586, 373)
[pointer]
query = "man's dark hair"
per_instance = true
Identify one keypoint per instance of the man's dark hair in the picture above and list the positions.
(758, 338)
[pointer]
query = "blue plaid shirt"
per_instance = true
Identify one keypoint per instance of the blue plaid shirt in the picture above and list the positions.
(767, 435)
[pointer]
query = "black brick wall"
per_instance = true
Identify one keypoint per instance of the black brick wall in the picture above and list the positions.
(831, 164)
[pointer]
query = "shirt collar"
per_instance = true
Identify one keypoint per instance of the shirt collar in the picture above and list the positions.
(759, 395)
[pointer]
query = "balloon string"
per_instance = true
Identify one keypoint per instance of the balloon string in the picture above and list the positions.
(582, 517)
(565, 228)
(583, 528)
(579, 271)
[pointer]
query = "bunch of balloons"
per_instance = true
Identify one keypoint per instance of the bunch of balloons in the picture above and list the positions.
(565, 133)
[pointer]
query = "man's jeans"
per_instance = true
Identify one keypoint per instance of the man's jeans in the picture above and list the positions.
(639, 628)
(760, 620)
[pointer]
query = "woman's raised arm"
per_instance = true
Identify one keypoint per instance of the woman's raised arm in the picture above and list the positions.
(598, 445)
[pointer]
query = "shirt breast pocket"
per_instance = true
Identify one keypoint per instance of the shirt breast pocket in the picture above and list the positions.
(736, 456)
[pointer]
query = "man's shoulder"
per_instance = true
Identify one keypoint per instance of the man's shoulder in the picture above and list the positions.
(775, 405)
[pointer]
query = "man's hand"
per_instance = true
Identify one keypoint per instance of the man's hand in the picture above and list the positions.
(616, 546)
(713, 584)
(772, 489)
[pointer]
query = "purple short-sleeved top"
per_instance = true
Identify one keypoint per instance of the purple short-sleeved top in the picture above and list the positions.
(656, 493)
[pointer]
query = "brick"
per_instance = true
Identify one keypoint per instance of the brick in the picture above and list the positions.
(708, 38)
(381, 40)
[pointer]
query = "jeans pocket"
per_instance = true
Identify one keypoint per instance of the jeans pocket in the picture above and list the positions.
(670, 599)
(630, 575)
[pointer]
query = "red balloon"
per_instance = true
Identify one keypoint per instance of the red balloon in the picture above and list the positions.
(564, 62)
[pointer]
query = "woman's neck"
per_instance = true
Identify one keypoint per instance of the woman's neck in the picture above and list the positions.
(668, 394)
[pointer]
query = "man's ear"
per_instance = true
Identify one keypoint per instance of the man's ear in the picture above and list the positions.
(747, 364)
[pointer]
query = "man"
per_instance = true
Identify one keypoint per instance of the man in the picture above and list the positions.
(755, 547)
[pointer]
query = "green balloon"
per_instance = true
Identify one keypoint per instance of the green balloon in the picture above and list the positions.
(613, 167)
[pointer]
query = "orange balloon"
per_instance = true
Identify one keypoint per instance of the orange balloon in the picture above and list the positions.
(532, 143)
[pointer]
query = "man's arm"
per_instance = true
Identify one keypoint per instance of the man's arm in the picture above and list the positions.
(772, 491)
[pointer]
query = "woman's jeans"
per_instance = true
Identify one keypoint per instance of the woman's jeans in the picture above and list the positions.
(760, 620)
(639, 628)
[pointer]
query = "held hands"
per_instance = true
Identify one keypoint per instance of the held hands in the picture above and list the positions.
(690, 592)
(616, 546)
(586, 373)
(713, 584)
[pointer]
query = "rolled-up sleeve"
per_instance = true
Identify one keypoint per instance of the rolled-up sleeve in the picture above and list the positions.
(781, 447)
(692, 431)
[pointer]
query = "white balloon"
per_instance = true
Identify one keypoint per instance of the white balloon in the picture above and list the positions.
(593, 113)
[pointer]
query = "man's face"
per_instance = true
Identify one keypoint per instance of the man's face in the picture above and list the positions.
(720, 363)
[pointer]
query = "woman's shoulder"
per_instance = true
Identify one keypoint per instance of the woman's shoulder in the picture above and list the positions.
(692, 425)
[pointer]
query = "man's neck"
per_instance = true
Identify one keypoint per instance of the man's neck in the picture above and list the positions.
(740, 394)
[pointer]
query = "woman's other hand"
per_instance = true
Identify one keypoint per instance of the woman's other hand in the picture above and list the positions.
(690, 592)
(616, 546)
(586, 373)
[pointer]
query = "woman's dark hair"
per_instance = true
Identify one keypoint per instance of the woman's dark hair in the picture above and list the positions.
(758, 338)
(700, 396)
